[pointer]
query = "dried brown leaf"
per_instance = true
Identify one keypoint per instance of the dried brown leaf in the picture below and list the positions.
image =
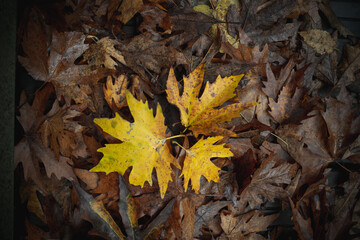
(102, 53)
(266, 183)
(246, 224)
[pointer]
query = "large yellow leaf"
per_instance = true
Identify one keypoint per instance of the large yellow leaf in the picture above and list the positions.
(201, 114)
(144, 146)
(197, 162)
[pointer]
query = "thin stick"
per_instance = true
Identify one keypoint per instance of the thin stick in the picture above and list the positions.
(287, 145)
(180, 146)
(176, 136)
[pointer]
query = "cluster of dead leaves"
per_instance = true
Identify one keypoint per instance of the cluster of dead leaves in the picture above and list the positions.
(245, 101)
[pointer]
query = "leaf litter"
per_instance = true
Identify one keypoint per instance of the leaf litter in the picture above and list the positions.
(187, 120)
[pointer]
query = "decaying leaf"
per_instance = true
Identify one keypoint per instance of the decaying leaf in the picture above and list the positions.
(207, 215)
(273, 85)
(107, 187)
(30, 151)
(243, 226)
(115, 93)
(103, 52)
(266, 183)
(201, 113)
(144, 146)
(95, 212)
(60, 133)
(320, 40)
(128, 9)
(197, 162)
(58, 65)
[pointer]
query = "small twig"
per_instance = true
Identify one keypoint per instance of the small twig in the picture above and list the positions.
(287, 145)
(176, 136)
(244, 118)
(345, 168)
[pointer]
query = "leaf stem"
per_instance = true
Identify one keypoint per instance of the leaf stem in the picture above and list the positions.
(187, 151)
(176, 136)
(287, 145)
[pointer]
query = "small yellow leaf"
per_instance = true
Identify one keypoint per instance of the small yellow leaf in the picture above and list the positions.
(197, 162)
(205, 9)
(202, 113)
(144, 146)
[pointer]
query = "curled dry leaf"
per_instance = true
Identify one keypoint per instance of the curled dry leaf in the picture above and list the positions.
(144, 146)
(201, 113)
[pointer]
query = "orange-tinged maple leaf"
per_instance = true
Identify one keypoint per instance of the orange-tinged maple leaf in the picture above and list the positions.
(201, 114)
(144, 146)
(197, 162)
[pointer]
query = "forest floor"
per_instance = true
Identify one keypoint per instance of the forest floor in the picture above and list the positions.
(156, 119)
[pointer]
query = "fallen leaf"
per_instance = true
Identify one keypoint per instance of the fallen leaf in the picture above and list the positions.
(349, 65)
(197, 162)
(90, 179)
(30, 151)
(266, 183)
(200, 113)
(292, 104)
(248, 223)
(143, 53)
(207, 215)
(249, 55)
(60, 133)
(102, 53)
(253, 92)
(342, 125)
(155, 20)
(189, 23)
(145, 137)
(95, 212)
(319, 40)
(273, 85)
(107, 186)
(307, 141)
(187, 210)
(127, 209)
(28, 194)
(302, 225)
(128, 9)
(115, 93)
(58, 65)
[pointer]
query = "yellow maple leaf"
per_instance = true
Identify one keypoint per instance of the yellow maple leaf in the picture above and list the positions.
(144, 146)
(201, 114)
(197, 162)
